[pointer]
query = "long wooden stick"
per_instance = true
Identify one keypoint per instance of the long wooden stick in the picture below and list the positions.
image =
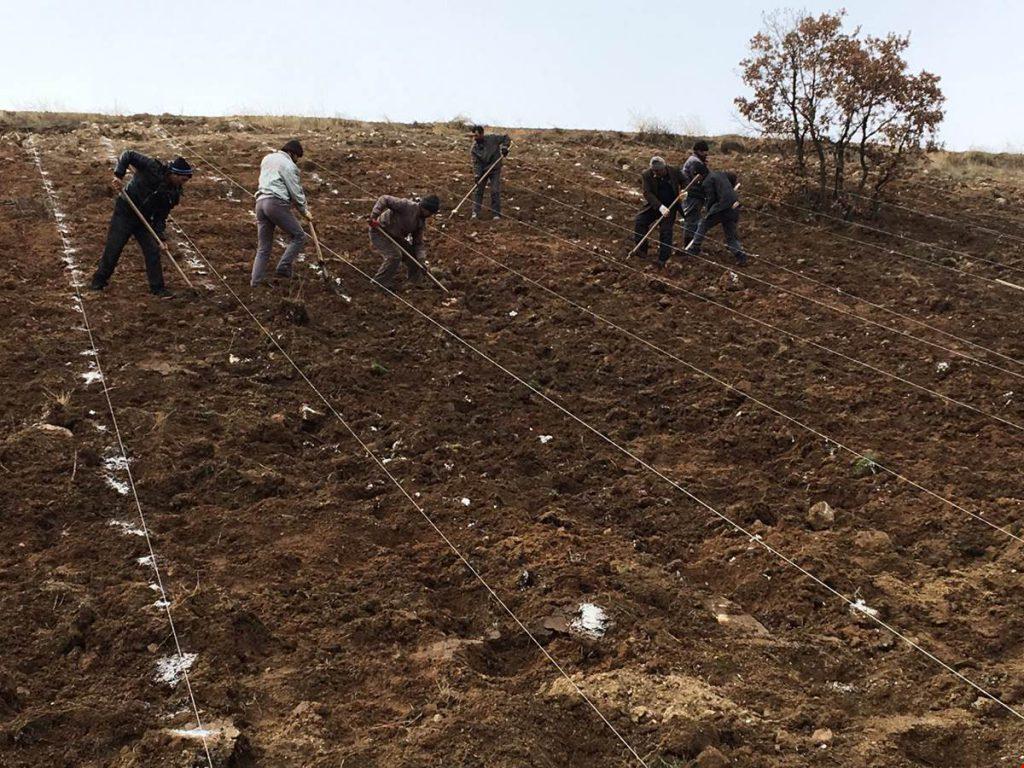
(320, 256)
(163, 246)
(410, 256)
(479, 181)
(657, 223)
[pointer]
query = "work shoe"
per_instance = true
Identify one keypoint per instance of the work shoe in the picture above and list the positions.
(163, 293)
(741, 259)
(97, 285)
(688, 252)
(283, 275)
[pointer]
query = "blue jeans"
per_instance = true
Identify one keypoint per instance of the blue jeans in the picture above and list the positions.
(729, 220)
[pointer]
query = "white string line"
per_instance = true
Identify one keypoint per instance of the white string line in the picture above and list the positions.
(1003, 218)
(877, 247)
(625, 451)
(886, 250)
(164, 598)
(369, 452)
(709, 375)
(887, 233)
(696, 369)
(754, 538)
(931, 215)
(392, 477)
(906, 238)
(829, 287)
(791, 292)
(796, 337)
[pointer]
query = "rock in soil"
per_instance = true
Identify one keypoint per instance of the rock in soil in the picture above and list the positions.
(821, 516)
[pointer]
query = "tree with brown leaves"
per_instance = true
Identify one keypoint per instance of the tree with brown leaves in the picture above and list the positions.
(839, 98)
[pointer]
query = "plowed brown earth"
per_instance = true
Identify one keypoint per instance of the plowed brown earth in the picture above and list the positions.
(333, 626)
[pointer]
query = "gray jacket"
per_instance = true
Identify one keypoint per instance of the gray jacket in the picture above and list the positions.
(279, 177)
(401, 218)
(488, 150)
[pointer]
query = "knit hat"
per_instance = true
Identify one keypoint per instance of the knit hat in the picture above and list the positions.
(657, 163)
(700, 146)
(180, 167)
(431, 202)
(477, 129)
(292, 147)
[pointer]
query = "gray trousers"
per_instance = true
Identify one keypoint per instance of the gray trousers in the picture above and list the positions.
(272, 212)
(691, 218)
(494, 178)
(393, 258)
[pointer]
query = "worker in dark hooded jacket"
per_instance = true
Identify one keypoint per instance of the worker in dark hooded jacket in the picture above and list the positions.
(695, 170)
(397, 226)
(660, 185)
(722, 204)
(488, 149)
(155, 189)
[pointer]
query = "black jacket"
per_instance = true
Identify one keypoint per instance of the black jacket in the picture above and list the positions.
(649, 186)
(148, 189)
(488, 150)
(694, 166)
(718, 193)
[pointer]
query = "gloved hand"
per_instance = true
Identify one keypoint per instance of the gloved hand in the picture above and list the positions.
(308, 214)
(374, 223)
(504, 151)
(117, 184)
(664, 210)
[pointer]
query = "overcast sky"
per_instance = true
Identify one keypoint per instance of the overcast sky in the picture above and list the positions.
(566, 63)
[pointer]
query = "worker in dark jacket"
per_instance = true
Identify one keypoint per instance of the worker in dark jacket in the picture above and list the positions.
(722, 204)
(695, 170)
(155, 189)
(660, 185)
(488, 149)
(396, 233)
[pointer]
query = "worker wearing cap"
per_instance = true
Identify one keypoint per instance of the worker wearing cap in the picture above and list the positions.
(660, 185)
(279, 189)
(695, 170)
(397, 226)
(155, 188)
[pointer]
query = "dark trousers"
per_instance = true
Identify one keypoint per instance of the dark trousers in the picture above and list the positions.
(494, 178)
(644, 221)
(729, 220)
(124, 225)
(691, 218)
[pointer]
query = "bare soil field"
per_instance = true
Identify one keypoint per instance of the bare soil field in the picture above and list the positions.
(626, 457)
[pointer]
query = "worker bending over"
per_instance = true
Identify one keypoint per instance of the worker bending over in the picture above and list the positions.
(722, 208)
(279, 189)
(155, 189)
(396, 233)
(488, 149)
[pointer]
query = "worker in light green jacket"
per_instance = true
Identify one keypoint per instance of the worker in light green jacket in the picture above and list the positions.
(279, 190)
